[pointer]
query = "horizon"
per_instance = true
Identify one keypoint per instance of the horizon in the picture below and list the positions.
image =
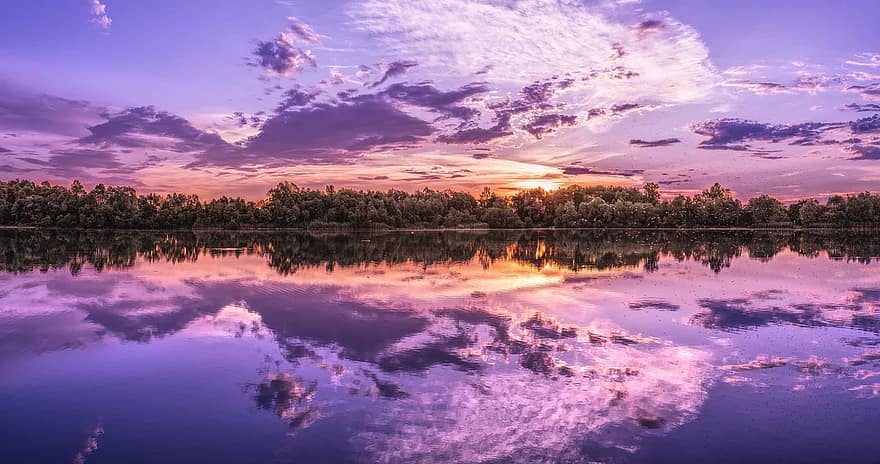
(503, 193)
(777, 98)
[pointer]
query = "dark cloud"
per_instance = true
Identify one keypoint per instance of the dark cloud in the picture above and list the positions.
(764, 308)
(146, 126)
(63, 162)
(481, 155)
(864, 152)
(581, 170)
(659, 304)
(429, 97)
(89, 165)
(735, 314)
(5, 150)
(759, 86)
(544, 124)
(435, 173)
(734, 134)
(862, 107)
(812, 84)
(241, 119)
(623, 108)
(866, 295)
(304, 128)
(395, 69)
(296, 98)
(10, 169)
(329, 132)
(766, 155)
(479, 134)
(533, 103)
(867, 125)
(650, 25)
(674, 181)
(24, 111)
(615, 111)
(653, 143)
(281, 57)
(871, 91)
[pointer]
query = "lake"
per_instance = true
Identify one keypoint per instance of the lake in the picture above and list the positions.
(438, 347)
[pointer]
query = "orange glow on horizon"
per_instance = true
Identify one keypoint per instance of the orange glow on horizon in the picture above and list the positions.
(543, 183)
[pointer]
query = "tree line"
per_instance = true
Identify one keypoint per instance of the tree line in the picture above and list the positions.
(26, 203)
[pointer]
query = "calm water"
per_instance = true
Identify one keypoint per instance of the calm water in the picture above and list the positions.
(439, 347)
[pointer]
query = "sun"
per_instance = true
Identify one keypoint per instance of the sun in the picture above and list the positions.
(542, 183)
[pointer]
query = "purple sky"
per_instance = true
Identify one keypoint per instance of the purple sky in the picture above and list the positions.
(779, 97)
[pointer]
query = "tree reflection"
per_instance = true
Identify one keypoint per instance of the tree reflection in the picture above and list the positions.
(42, 250)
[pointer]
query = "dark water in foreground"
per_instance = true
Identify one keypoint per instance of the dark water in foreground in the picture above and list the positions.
(439, 347)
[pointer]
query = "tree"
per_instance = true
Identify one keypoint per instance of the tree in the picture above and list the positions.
(764, 210)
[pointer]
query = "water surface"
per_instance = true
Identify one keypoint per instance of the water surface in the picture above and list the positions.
(535, 346)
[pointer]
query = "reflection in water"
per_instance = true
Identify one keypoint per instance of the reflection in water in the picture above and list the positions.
(286, 395)
(28, 250)
(90, 445)
(524, 346)
(760, 309)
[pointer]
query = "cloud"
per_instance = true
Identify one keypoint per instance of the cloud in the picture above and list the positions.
(814, 84)
(479, 134)
(29, 112)
(653, 303)
(296, 98)
(5, 150)
(533, 107)
(302, 31)
(581, 170)
(760, 88)
(283, 56)
(650, 25)
(89, 165)
(653, 143)
(240, 119)
(330, 132)
(864, 152)
(870, 60)
(447, 103)
(145, 126)
(394, 69)
(307, 125)
(611, 51)
(733, 134)
(99, 14)
(868, 92)
(867, 125)
(548, 123)
(861, 107)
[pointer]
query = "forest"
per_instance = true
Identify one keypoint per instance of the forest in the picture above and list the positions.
(26, 203)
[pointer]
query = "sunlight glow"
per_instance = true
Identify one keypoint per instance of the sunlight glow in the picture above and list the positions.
(539, 183)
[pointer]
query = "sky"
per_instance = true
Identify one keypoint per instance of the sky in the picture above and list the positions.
(231, 97)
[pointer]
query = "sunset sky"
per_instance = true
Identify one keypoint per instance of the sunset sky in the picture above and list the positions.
(231, 97)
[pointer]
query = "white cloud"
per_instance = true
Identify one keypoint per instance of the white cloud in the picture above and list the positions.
(526, 40)
(518, 42)
(99, 14)
(869, 60)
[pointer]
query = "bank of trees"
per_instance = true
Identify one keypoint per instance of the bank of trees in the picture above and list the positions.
(25, 203)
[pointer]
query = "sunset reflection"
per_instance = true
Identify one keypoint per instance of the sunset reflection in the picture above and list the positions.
(458, 347)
